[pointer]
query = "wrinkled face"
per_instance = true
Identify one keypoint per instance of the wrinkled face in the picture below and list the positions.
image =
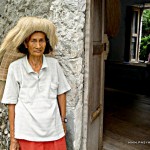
(36, 44)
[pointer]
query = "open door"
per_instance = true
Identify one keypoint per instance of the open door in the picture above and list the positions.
(96, 76)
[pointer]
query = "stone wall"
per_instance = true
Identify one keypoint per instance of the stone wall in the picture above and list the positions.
(69, 17)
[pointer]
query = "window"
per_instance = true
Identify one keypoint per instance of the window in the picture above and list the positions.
(145, 36)
(134, 32)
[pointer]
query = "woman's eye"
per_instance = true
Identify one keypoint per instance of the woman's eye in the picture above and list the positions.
(33, 41)
(42, 41)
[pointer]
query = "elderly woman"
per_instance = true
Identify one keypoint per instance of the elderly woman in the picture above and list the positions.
(35, 89)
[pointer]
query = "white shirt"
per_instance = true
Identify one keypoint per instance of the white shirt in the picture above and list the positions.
(37, 116)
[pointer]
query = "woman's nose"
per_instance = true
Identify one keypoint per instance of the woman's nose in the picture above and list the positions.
(38, 44)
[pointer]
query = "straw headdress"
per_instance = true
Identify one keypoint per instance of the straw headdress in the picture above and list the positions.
(24, 28)
(16, 36)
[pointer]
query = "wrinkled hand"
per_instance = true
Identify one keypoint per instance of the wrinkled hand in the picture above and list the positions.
(64, 126)
(14, 145)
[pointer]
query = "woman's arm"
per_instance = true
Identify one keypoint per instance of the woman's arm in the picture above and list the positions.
(11, 114)
(62, 107)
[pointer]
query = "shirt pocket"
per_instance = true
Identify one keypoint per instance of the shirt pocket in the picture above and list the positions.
(53, 90)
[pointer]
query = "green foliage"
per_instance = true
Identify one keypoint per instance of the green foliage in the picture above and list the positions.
(143, 47)
(145, 39)
(146, 23)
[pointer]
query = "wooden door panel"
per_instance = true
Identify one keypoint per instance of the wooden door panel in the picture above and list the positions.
(96, 83)
(96, 104)
(97, 20)
(93, 141)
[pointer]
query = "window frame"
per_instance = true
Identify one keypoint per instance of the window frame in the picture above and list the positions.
(136, 34)
(130, 18)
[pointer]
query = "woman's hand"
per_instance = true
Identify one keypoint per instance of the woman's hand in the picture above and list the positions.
(64, 126)
(14, 145)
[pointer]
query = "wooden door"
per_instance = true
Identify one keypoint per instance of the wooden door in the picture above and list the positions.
(96, 77)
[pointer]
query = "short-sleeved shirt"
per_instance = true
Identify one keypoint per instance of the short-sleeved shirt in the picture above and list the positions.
(37, 115)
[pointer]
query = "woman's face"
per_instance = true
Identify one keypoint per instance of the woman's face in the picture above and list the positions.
(36, 44)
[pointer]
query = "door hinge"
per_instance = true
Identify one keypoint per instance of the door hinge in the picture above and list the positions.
(96, 113)
(98, 49)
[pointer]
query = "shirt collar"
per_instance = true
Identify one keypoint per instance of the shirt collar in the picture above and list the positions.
(28, 66)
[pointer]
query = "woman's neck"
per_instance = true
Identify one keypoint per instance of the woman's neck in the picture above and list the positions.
(36, 63)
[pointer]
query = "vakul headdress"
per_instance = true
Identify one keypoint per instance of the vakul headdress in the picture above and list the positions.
(17, 35)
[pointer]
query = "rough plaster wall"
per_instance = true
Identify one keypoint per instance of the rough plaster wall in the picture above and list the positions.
(69, 17)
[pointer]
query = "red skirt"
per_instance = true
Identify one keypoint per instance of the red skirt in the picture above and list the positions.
(51, 145)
